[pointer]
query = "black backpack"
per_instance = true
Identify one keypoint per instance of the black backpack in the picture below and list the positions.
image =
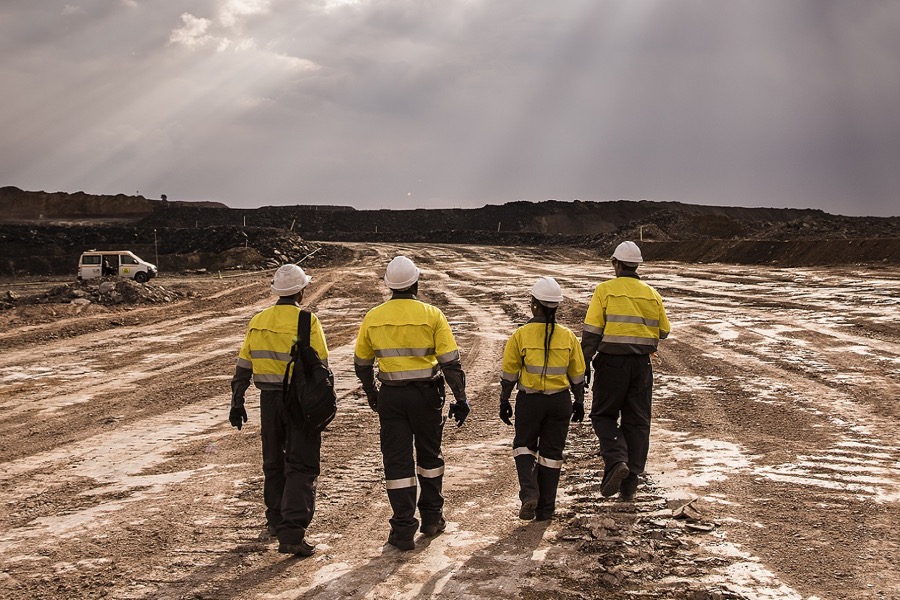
(308, 386)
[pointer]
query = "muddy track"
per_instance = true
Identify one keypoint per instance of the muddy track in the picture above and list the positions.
(775, 408)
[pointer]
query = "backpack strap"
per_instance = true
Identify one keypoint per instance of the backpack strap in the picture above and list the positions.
(304, 325)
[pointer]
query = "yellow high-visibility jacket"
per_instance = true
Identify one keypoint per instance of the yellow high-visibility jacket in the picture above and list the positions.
(523, 359)
(267, 347)
(628, 314)
(408, 338)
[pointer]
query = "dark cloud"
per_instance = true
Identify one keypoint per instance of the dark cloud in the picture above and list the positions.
(457, 103)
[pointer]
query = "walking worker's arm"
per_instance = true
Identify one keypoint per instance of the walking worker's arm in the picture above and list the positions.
(576, 370)
(592, 331)
(510, 368)
(447, 353)
(664, 326)
(364, 360)
(317, 339)
(243, 371)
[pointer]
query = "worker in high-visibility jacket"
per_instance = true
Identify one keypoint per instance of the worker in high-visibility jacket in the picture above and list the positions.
(412, 344)
(544, 360)
(291, 455)
(624, 323)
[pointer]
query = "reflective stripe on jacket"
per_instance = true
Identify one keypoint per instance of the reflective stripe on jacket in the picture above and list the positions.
(408, 339)
(628, 314)
(267, 347)
(523, 359)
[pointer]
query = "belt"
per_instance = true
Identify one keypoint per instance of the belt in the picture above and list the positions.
(437, 383)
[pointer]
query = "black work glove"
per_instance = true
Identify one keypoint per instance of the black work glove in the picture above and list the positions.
(372, 397)
(237, 417)
(577, 412)
(506, 412)
(459, 410)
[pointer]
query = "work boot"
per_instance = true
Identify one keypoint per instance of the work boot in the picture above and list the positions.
(628, 488)
(526, 513)
(434, 528)
(543, 516)
(271, 530)
(612, 479)
(400, 544)
(301, 549)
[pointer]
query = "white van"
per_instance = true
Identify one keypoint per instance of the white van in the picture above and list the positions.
(123, 263)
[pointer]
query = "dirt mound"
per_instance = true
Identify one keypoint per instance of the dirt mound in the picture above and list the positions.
(106, 291)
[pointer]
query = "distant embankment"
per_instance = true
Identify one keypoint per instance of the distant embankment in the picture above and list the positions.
(19, 206)
(796, 253)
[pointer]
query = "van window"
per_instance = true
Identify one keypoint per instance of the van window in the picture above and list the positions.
(127, 260)
(90, 260)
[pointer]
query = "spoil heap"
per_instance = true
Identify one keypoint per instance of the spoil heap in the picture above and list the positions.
(106, 291)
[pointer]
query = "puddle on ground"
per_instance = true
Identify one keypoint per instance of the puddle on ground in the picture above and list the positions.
(694, 462)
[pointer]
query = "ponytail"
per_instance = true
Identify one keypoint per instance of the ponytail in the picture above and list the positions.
(549, 328)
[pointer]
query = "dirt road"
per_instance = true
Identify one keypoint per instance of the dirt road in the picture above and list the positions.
(775, 411)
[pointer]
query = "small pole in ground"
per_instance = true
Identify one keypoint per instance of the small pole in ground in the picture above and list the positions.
(498, 226)
(292, 224)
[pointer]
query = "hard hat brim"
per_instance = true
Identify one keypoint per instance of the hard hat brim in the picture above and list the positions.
(402, 285)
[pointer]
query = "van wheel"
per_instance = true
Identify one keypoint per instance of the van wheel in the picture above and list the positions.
(141, 277)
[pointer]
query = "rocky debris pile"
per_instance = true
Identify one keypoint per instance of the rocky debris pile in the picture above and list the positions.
(223, 248)
(106, 291)
(9, 299)
(279, 247)
(651, 548)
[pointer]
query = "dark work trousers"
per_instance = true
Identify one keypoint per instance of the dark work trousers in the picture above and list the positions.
(620, 412)
(291, 467)
(412, 416)
(542, 424)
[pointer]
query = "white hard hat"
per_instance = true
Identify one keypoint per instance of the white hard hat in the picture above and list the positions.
(401, 273)
(547, 292)
(289, 280)
(628, 253)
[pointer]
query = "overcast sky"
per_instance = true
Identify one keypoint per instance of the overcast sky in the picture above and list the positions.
(417, 103)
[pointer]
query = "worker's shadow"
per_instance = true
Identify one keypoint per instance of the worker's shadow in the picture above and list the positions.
(491, 562)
